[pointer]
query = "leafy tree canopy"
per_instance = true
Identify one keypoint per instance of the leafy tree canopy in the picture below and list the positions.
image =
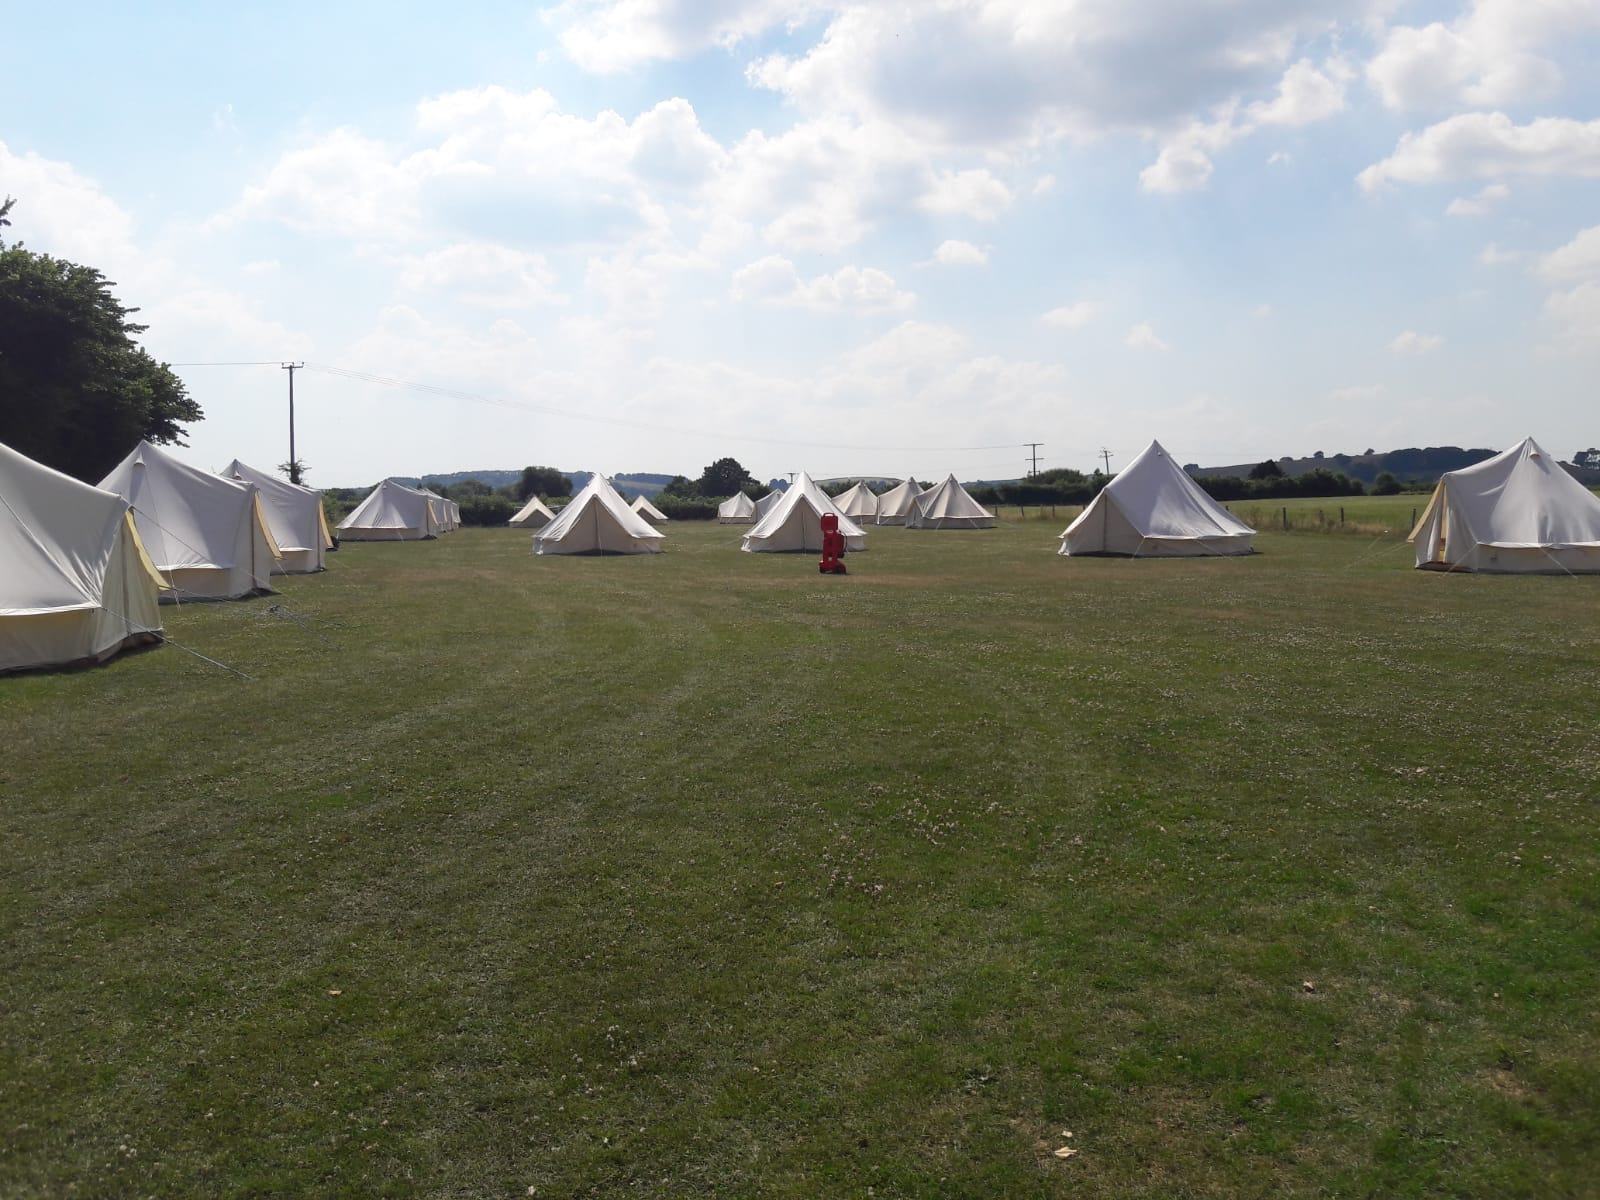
(1267, 470)
(542, 481)
(76, 391)
(725, 477)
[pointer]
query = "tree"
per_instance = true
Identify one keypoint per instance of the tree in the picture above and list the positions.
(1386, 484)
(542, 481)
(725, 477)
(1266, 469)
(77, 392)
(296, 470)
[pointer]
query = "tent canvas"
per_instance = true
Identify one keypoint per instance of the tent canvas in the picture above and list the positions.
(206, 535)
(948, 506)
(642, 506)
(75, 584)
(535, 514)
(447, 513)
(764, 505)
(391, 512)
(598, 521)
(895, 505)
(859, 503)
(737, 509)
(1153, 509)
(295, 516)
(1516, 513)
(795, 522)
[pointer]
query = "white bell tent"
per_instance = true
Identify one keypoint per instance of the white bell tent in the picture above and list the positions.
(1153, 509)
(1516, 513)
(535, 514)
(598, 521)
(948, 506)
(391, 512)
(895, 505)
(795, 522)
(737, 509)
(75, 585)
(859, 503)
(295, 516)
(642, 506)
(207, 536)
(764, 505)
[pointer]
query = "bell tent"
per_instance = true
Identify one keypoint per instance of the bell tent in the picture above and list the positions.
(642, 506)
(737, 509)
(295, 516)
(895, 505)
(598, 521)
(1516, 513)
(532, 515)
(206, 535)
(795, 522)
(75, 585)
(1153, 509)
(764, 505)
(947, 506)
(392, 512)
(858, 503)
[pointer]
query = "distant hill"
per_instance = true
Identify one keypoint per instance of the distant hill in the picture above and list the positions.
(1414, 464)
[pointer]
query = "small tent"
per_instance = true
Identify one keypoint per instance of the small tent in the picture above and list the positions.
(795, 522)
(391, 512)
(948, 506)
(895, 505)
(75, 585)
(598, 521)
(207, 536)
(737, 509)
(764, 505)
(859, 503)
(642, 506)
(535, 514)
(295, 516)
(1516, 513)
(1153, 509)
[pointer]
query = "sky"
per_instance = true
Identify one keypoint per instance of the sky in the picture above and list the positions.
(849, 238)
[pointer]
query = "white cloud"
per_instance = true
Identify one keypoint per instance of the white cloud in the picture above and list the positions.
(1178, 168)
(1480, 205)
(1305, 94)
(953, 253)
(1411, 342)
(774, 280)
(1579, 259)
(606, 36)
(1493, 256)
(1262, 310)
(974, 193)
(262, 266)
(1576, 315)
(65, 212)
(1488, 57)
(1142, 337)
(1071, 316)
(483, 274)
(1044, 185)
(1479, 145)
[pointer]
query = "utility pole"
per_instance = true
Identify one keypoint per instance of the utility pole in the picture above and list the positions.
(294, 463)
(1106, 454)
(1034, 448)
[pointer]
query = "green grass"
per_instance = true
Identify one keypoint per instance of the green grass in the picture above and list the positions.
(700, 874)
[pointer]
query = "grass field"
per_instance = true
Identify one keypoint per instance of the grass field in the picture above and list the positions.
(702, 875)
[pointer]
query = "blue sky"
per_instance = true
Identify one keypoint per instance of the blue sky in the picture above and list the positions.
(637, 235)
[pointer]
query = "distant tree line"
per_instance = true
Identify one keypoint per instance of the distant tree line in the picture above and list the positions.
(685, 499)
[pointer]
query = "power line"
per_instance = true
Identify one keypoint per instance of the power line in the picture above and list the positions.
(551, 410)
